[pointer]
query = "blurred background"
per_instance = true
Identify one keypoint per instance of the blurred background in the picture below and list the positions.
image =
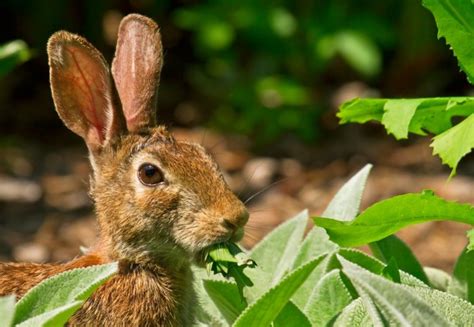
(258, 83)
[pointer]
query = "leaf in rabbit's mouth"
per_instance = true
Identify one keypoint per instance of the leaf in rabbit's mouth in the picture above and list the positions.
(229, 260)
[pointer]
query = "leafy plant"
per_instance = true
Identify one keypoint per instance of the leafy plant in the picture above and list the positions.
(455, 21)
(53, 301)
(316, 281)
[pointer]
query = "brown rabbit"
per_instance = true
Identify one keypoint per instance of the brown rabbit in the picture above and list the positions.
(159, 202)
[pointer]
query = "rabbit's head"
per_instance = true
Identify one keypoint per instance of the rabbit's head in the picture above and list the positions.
(156, 197)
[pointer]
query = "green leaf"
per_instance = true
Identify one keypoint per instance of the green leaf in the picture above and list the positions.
(387, 217)
(462, 283)
(207, 312)
(266, 308)
(452, 308)
(455, 21)
(376, 266)
(470, 237)
(419, 116)
(13, 54)
(354, 315)
(432, 114)
(7, 310)
(439, 279)
(391, 271)
(62, 290)
(345, 204)
(291, 316)
(227, 298)
(398, 115)
(275, 255)
(329, 297)
(53, 318)
(393, 247)
(398, 305)
(455, 143)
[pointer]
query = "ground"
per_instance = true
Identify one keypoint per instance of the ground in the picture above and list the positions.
(46, 214)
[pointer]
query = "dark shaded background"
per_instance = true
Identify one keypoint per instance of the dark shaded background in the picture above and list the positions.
(259, 83)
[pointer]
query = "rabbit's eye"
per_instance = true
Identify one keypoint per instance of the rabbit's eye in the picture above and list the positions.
(149, 174)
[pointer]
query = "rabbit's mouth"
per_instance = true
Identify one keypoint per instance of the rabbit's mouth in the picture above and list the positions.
(234, 237)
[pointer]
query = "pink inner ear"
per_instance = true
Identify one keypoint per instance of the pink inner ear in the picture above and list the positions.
(90, 90)
(136, 70)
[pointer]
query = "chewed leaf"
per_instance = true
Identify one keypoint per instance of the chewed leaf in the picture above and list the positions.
(387, 217)
(229, 260)
(398, 115)
(455, 143)
(419, 116)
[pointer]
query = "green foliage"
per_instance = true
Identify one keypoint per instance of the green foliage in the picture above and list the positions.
(264, 60)
(455, 21)
(312, 281)
(53, 301)
(419, 116)
(433, 115)
(397, 212)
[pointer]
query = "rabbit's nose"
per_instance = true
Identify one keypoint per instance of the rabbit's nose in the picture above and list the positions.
(236, 222)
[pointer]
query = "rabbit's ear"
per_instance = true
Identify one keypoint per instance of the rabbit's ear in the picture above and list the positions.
(136, 70)
(82, 89)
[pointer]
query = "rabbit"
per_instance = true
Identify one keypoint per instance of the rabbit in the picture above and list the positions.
(160, 202)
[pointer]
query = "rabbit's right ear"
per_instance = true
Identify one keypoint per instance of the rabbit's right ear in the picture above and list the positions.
(82, 89)
(136, 70)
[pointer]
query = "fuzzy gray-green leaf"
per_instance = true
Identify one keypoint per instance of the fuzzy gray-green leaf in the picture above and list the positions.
(7, 310)
(62, 290)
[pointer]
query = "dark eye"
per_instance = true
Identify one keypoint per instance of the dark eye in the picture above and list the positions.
(149, 174)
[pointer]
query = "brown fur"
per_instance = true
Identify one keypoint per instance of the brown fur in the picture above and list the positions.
(154, 232)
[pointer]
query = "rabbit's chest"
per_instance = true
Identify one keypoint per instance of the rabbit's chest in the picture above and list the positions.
(139, 299)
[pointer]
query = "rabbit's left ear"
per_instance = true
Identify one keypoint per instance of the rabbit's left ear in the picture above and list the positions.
(136, 70)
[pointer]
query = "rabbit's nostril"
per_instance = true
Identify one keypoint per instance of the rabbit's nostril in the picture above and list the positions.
(229, 225)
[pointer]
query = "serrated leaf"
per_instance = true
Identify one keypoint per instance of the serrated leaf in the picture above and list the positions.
(354, 315)
(432, 114)
(328, 298)
(398, 305)
(226, 297)
(419, 116)
(345, 204)
(53, 318)
(387, 217)
(438, 278)
(393, 247)
(7, 310)
(398, 115)
(462, 283)
(266, 308)
(62, 290)
(291, 316)
(455, 21)
(275, 255)
(455, 143)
